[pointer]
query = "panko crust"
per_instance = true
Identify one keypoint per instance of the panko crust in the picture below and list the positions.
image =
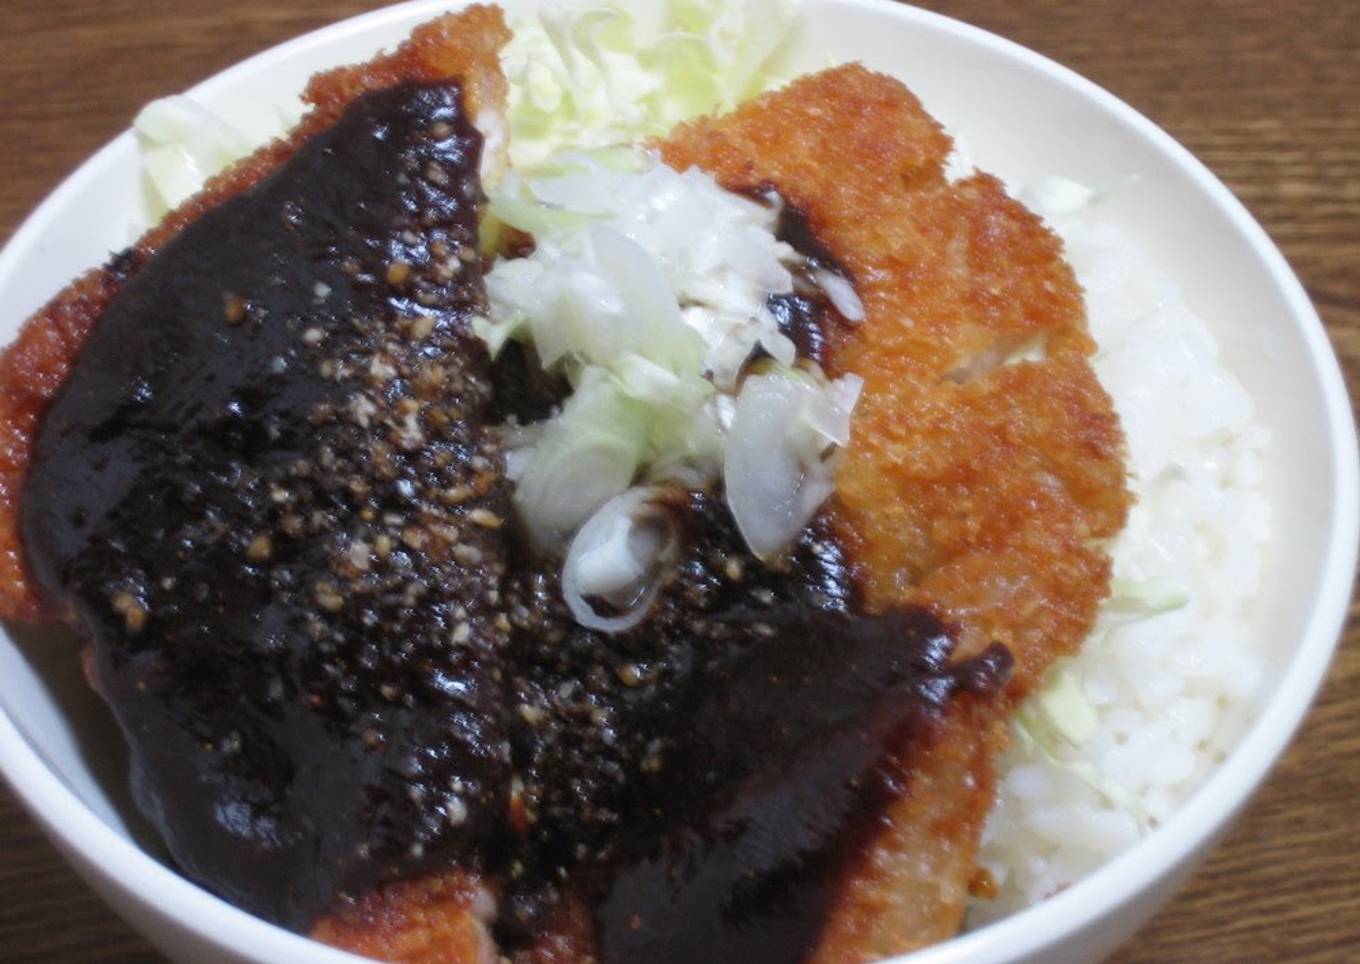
(975, 482)
(33, 368)
(978, 486)
(437, 919)
(904, 891)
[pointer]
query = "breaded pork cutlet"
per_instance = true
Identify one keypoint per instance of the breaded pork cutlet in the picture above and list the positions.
(441, 915)
(975, 484)
(33, 368)
(975, 489)
(975, 481)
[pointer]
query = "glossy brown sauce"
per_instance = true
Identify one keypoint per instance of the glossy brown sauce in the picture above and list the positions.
(270, 492)
(254, 489)
(705, 780)
(804, 314)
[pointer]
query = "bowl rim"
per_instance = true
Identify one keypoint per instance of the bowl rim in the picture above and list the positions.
(104, 853)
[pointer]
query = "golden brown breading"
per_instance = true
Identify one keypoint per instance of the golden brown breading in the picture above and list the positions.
(979, 487)
(439, 919)
(465, 45)
(909, 888)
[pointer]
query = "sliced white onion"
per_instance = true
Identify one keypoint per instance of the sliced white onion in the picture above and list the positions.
(649, 287)
(645, 380)
(828, 410)
(620, 555)
(841, 293)
(587, 455)
(652, 325)
(519, 442)
(774, 471)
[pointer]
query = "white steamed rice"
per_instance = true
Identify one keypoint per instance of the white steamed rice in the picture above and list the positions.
(1167, 681)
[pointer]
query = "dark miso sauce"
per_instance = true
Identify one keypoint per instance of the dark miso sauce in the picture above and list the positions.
(255, 491)
(272, 494)
(707, 779)
(805, 315)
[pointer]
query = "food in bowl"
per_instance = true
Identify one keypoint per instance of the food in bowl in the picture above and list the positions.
(948, 365)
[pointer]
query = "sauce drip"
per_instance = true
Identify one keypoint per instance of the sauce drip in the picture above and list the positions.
(271, 494)
(805, 315)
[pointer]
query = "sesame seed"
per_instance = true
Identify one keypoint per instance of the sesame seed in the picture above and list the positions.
(466, 554)
(380, 369)
(328, 597)
(422, 327)
(459, 493)
(261, 548)
(233, 308)
(398, 273)
(131, 609)
(485, 518)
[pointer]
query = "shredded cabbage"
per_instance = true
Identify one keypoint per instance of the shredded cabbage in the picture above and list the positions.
(1146, 597)
(1058, 718)
(183, 144)
(591, 74)
(626, 253)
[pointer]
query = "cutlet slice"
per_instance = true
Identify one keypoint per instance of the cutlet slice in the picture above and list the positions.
(985, 468)
(34, 367)
(446, 73)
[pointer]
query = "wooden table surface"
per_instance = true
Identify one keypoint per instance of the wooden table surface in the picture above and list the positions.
(1267, 94)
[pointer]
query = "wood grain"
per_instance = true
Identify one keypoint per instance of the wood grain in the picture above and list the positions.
(1265, 94)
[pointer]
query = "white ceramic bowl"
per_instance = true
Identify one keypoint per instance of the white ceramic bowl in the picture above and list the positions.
(1022, 116)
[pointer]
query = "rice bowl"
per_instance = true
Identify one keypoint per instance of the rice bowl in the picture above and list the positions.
(1344, 464)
